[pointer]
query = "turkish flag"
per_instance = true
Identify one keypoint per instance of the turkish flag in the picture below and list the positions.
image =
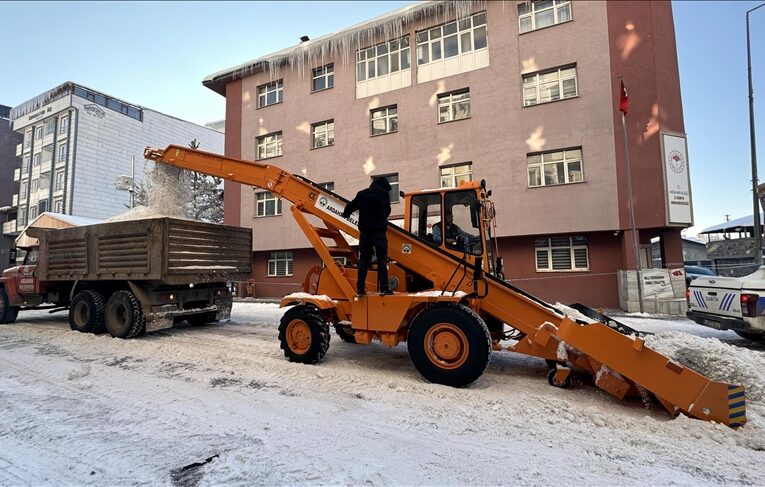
(624, 101)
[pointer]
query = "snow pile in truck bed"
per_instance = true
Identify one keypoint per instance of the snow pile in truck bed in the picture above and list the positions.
(137, 213)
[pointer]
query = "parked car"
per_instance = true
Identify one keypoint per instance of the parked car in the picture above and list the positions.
(694, 271)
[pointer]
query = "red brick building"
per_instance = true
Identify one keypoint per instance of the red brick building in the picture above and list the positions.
(522, 94)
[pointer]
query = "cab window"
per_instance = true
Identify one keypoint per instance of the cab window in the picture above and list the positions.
(31, 257)
(461, 223)
(425, 211)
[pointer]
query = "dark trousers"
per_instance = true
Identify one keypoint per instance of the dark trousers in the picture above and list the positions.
(368, 243)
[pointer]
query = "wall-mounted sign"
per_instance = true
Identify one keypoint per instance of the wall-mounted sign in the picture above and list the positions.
(677, 179)
(95, 110)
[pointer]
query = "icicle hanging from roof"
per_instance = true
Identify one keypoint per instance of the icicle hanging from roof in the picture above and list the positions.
(341, 46)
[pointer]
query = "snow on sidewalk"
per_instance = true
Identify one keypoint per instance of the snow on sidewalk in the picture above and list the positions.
(84, 409)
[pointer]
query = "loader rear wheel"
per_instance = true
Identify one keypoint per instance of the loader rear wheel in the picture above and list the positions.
(8, 313)
(124, 318)
(304, 335)
(449, 344)
(345, 333)
(86, 312)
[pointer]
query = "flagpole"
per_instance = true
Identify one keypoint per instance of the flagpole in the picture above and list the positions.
(635, 242)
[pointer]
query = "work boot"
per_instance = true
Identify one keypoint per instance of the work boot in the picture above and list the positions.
(361, 292)
(386, 292)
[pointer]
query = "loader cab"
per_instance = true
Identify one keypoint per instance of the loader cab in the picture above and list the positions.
(458, 220)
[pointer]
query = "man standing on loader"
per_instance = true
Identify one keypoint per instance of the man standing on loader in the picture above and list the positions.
(373, 205)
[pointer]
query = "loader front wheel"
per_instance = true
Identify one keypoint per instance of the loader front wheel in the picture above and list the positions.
(449, 344)
(304, 335)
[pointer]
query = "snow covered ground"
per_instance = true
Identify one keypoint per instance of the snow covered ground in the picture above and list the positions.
(84, 409)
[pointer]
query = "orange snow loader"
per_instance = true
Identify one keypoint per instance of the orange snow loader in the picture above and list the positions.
(451, 304)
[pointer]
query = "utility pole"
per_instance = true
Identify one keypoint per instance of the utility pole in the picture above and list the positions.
(753, 146)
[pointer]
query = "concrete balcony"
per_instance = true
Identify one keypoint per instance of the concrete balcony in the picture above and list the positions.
(45, 167)
(15, 200)
(19, 149)
(16, 175)
(9, 227)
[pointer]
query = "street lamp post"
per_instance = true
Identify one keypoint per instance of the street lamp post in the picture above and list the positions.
(753, 146)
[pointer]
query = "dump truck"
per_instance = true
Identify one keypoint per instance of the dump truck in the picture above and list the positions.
(129, 277)
(451, 304)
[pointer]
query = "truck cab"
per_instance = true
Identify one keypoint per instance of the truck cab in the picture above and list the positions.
(20, 283)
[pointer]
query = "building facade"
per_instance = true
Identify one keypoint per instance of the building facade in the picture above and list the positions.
(522, 94)
(77, 141)
(8, 185)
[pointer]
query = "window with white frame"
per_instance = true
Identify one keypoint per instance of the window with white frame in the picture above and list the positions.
(323, 134)
(58, 205)
(323, 77)
(341, 260)
(50, 126)
(36, 159)
(382, 59)
(384, 120)
(23, 190)
(562, 254)
(39, 133)
(33, 212)
(550, 85)
(453, 175)
(270, 93)
(62, 152)
(26, 165)
(35, 185)
(28, 139)
(393, 181)
(534, 15)
(59, 180)
(270, 145)
(452, 39)
(555, 167)
(453, 106)
(63, 125)
(280, 264)
(22, 216)
(266, 204)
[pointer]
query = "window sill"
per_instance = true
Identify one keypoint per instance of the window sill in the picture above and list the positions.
(555, 185)
(323, 89)
(265, 216)
(451, 57)
(542, 28)
(286, 275)
(272, 104)
(552, 101)
(384, 133)
(322, 146)
(455, 120)
(268, 158)
(563, 270)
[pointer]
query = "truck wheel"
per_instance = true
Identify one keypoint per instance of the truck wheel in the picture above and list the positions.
(345, 333)
(8, 313)
(304, 335)
(86, 312)
(755, 337)
(449, 344)
(124, 318)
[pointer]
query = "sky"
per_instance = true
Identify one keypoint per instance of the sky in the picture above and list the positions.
(155, 54)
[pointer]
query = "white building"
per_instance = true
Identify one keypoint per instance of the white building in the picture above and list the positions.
(77, 141)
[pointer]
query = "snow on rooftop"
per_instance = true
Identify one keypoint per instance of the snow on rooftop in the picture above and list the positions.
(339, 45)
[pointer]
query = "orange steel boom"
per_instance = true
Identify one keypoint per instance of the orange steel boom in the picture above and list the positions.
(450, 307)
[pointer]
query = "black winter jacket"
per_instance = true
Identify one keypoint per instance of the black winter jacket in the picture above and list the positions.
(373, 204)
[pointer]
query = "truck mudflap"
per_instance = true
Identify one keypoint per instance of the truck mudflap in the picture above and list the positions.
(623, 365)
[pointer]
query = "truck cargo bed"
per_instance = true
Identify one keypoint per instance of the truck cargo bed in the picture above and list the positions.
(167, 250)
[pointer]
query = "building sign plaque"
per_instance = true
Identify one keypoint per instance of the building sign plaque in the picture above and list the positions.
(677, 179)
